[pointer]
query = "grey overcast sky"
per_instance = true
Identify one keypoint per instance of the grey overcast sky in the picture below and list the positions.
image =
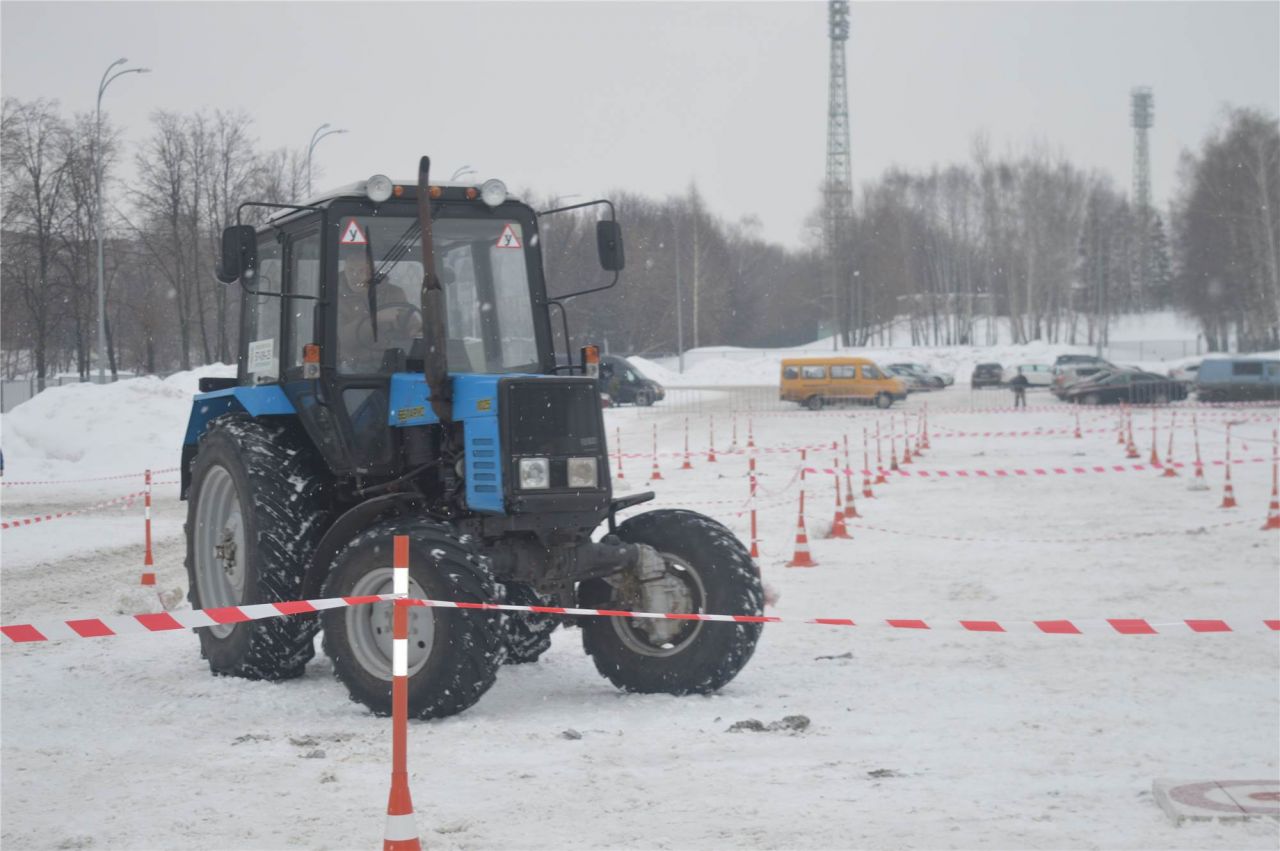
(584, 97)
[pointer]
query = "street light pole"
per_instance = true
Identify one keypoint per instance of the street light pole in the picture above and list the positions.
(107, 78)
(319, 134)
(679, 304)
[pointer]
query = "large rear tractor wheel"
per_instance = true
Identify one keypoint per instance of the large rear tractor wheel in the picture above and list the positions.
(255, 511)
(454, 654)
(708, 570)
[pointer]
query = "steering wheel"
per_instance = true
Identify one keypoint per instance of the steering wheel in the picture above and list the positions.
(399, 324)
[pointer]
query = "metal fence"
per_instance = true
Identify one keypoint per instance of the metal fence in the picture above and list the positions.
(14, 393)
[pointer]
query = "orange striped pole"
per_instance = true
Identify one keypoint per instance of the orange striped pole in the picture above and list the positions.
(755, 540)
(751, 433)
(1273, 510)
(1169, 472)
(849, 510)
(618, 444)
(1228, 492)
(802, 558)
(1198, 482)
(656, 475)
(866, 467)
(711, 447)
(402, 828)
(687, 465)
(880, 479)
(1155, 457)
(148, 563)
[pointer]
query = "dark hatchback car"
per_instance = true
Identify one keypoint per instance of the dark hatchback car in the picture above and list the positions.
(986, 375)
(1125, 386)
(625, 385)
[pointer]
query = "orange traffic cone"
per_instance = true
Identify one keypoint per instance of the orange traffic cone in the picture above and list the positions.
(1078, 434)
(1155, 458)
(687, 465)
(925, 444)
(801, 557)
(1228, 493)
(893, 452)
(401, 833)
(838, 529)
(656, 475)
(906, 449)
(1131, 450)
(711, 447)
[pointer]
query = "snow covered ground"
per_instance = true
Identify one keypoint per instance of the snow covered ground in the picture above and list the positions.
(916, 739)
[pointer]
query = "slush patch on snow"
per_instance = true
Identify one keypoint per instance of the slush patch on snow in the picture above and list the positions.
(789, 724)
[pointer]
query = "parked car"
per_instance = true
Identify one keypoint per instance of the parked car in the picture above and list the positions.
(1238, 379)
(1126, 386)
(987, 375)
(1038, 374)
(815, 382)
(913, 382)
(624, 384)
(933, 376)
(1067, 375)
(1080, 360)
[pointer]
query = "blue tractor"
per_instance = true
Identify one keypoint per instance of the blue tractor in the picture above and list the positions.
(397, 376)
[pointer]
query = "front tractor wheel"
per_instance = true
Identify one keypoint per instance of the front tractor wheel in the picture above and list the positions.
(255, 511)
(454, 654)
(708, 570)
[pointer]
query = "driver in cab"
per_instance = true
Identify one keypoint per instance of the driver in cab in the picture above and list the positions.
(373, 316)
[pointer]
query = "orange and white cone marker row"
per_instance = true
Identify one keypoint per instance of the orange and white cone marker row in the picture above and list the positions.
(402, 828)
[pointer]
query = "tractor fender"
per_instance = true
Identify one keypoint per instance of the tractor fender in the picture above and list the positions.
(351, 523)
(266, 400)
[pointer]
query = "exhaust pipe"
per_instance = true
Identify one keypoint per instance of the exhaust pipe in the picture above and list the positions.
(435, 367)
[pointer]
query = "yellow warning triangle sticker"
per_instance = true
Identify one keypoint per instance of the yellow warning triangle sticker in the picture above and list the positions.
(352, 235)
(508, 238)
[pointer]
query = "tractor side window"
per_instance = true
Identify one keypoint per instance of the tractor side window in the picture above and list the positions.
(304, 279)
(263, 363)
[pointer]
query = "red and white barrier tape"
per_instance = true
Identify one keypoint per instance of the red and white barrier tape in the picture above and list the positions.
(45, 518)
(168, 621)
(1033, 472)
(1120, 536)
(137, 475)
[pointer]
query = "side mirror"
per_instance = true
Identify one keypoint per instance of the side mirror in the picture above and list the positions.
(239, 253)
(609, 245)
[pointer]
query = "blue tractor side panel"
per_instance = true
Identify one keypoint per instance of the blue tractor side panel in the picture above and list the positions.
(256, 401)
(475, 404)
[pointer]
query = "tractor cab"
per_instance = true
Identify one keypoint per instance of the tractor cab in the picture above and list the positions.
(397, 376)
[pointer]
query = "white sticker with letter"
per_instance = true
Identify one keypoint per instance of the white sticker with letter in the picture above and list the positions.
(508, 238)
(262, 356)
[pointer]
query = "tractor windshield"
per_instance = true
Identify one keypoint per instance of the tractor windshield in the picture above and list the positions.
(485, 275)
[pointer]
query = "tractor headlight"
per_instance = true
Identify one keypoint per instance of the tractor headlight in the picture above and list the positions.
(582, 473)
(535, 473)
(378, 188)
(493, 192)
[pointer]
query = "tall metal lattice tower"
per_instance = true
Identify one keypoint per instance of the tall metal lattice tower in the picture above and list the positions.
(1142, 115)
(838, 189)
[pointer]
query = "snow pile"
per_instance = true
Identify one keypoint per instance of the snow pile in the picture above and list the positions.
(82, 430)
(653, 370)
